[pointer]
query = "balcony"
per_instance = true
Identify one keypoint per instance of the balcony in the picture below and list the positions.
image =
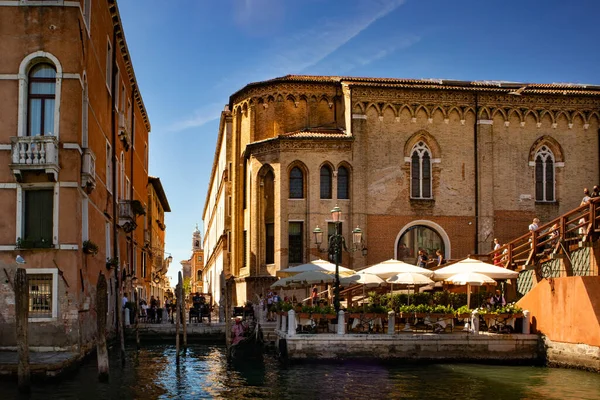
(128, 212)
(34, 153)
(88, 171)
(127, 216)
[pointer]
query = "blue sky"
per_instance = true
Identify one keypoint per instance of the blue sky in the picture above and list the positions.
(189, 56)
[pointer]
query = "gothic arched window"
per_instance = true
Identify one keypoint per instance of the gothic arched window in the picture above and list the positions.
(325, 182)
(296, 183)
(343, 183)
(420, 171)
(544, 174)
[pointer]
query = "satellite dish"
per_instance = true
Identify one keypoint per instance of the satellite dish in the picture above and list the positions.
(20, 260)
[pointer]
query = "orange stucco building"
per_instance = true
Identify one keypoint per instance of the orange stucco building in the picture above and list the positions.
(74, 187)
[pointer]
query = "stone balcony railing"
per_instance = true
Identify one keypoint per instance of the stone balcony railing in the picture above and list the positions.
(34, 153)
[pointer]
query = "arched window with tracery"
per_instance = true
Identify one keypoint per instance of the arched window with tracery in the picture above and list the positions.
(41, 97)
(544, 174)
(296, 183)
(326, 182)
(420, 171)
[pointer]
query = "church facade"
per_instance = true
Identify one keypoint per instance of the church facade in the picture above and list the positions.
(416, 164)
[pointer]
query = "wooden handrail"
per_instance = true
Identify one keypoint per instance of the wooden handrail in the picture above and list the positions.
(526, 248)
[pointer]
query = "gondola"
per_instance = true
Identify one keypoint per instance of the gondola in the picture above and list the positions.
(251, 348)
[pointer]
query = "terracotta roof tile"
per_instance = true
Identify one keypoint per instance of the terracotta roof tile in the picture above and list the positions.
(441, 84)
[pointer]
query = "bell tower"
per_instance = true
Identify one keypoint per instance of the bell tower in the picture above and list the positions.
(197, 261)
(196, 240)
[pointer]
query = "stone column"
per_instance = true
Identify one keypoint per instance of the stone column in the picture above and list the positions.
(475, 322)
(341, 325)
(277, 321)
(391, 323)
(291, 323)
(526, 322)
(283, 323)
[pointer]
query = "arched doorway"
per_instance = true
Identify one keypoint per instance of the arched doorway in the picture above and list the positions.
(425, 235)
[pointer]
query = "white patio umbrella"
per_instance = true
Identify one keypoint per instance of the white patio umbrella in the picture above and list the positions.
(470, 279)
(393, 267)
(315, 265)
(410, 279)
(361, 278)
(284, 283)
(312, 278)
(472, 265)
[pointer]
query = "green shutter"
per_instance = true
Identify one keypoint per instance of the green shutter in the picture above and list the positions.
(38, 217)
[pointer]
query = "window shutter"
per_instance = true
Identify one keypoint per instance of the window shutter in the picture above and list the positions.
(38, 217)
(549, 180)
(415, 175)
(539, 179)
(426, 176)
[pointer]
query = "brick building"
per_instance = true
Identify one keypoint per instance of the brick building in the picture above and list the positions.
(73, 167)
(417, 164)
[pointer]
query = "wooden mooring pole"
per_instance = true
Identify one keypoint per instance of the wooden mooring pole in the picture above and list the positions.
(177, 317)
(184, 320)
(22, 321)
(101, 311)
(228, 309)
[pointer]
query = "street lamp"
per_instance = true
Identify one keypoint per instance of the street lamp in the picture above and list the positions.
(337, 243)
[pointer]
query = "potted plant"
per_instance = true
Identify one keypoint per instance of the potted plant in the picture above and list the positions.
(112, 262)
(90, 247)
(138, 208)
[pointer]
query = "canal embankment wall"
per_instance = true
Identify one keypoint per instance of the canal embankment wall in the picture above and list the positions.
(565, 311)
(427, 346)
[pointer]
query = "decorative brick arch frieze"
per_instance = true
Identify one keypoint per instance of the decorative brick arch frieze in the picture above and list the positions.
(575, 111)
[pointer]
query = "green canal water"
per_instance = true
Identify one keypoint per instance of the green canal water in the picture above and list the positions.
(203, 373)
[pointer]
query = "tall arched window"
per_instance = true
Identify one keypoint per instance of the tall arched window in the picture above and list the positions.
(544, 174)
(325, 182)
(296, 183)
(343, 186)
(41, 95)
(420, 172)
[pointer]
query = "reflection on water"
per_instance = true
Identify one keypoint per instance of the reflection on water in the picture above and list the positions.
(203, 372)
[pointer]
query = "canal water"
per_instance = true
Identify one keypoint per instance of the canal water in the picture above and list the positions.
(203, 373)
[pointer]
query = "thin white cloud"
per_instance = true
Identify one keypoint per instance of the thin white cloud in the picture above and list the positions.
(308, 47)
(206, 113)
(369, 52)
(301, 50)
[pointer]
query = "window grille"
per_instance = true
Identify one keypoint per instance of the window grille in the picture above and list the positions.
(40, 295)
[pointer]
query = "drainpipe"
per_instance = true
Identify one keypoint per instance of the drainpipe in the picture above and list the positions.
(131, 234)
(476, 164)
(114, 178)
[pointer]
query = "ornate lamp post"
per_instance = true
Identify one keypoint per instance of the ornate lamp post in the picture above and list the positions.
(336, 244)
